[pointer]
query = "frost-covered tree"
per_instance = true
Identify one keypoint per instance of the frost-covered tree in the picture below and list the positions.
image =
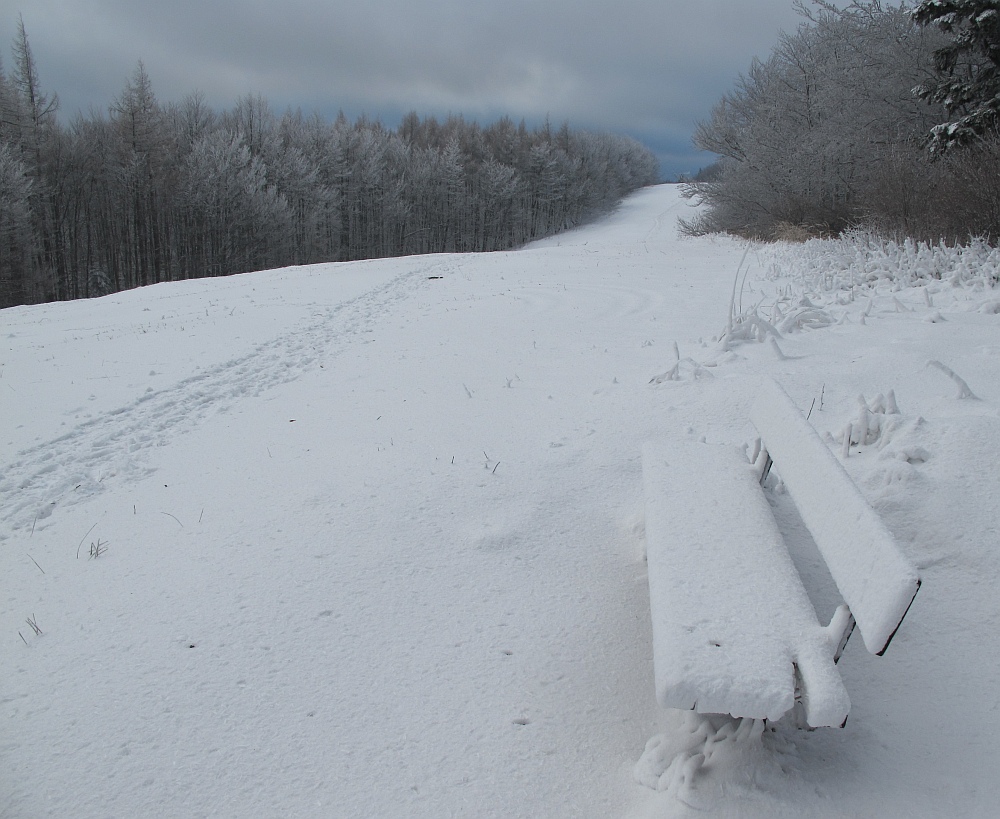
(153, 192)
(140, 154)
(297, 171)
(35, 109)
(15, 228)
(809, 133)
(968, 69)
(233, 218)
(33, 129)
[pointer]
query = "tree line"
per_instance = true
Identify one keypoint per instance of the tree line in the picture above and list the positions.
(875, 115)
(155, 192)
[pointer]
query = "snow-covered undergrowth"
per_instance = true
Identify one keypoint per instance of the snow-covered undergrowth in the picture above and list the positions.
(821, 280)
(858, 258)
(367, 539)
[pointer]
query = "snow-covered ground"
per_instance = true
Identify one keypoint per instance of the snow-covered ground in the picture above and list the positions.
(370, 541)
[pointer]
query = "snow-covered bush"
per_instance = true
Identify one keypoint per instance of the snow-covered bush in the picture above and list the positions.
(874, 424)
(859, 258)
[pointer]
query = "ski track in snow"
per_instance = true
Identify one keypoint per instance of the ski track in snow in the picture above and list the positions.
(77, 465)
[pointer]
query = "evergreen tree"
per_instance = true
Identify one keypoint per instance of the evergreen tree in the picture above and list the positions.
(35, 128)
(968, 69)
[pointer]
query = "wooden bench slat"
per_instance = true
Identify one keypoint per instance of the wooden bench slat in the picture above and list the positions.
(877, 581)
(733, 628)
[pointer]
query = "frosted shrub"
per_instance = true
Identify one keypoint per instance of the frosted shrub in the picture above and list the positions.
(875, 422)
(858, 258)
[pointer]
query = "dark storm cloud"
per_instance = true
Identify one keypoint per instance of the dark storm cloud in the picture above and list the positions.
(650, 68)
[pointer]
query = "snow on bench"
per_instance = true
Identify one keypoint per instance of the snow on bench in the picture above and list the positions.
(734, 631)
(878, 583)
(731, 619)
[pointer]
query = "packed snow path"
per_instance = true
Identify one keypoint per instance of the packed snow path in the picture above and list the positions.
(370, 541)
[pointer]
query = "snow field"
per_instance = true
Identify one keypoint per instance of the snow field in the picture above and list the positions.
(376, 548)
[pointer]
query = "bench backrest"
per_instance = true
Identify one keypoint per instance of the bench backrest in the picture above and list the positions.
(877, 581)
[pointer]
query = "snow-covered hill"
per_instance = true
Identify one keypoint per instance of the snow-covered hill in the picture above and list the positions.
(369, 536)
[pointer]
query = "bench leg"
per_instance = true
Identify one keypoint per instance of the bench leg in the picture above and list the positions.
(761, 461)
(840, 630)
(820, 696)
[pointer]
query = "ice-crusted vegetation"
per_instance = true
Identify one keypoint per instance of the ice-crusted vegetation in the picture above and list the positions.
(815, 282)
(859, 258)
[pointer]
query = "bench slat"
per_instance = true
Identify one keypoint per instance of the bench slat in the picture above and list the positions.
(877, 581)
(731, 621)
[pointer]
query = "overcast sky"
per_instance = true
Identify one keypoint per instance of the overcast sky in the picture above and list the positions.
(647, 68)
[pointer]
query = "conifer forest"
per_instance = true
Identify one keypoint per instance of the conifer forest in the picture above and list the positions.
(151, 192)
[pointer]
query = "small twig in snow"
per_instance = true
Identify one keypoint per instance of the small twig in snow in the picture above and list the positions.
(36, 563)
(91, 529)
(732, 301)
(743, 284)
(174, 517)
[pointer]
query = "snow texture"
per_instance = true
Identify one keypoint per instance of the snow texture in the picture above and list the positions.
(877, 581)
(731, 620)
(373, 535)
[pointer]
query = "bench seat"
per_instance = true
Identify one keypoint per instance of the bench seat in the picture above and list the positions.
(734, 631)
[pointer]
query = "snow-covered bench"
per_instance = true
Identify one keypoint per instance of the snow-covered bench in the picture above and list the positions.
(734, 631)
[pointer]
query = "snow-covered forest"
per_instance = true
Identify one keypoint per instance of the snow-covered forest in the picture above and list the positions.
(875, 114)
(157, 192)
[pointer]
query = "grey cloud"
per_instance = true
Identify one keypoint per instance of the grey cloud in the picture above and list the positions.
(649, 67)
